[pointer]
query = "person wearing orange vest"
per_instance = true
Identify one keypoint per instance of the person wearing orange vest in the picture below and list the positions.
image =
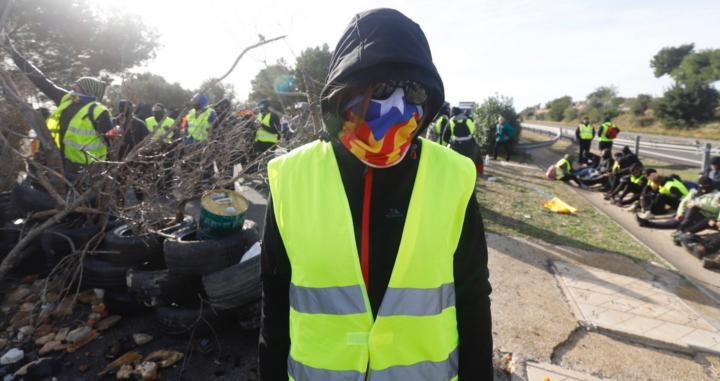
(360, 280)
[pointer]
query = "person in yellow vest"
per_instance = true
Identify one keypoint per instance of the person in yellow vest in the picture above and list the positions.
(607, 133)
(268, 128)
(159, 124)
(440, 125)
(360, 280)
(460, 133)
(584, 135)
(80, 120)
(671, 189)
(564, 171)
(199, 120)
(632, 183)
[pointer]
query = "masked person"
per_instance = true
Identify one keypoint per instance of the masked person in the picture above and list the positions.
(80, 120)
(632, 183)
(584, 135)
(670, 190)
(607, 133)
(159, 124)
(361, 280)
(199, 120)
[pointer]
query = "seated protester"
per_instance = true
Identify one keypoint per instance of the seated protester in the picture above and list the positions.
(604, 169)
(694, 213)
(616, 174)
(707, 248)
(649, 193)
(589, 159)
(713, 172)
(633, 183)
(670, 191)
(564, 171)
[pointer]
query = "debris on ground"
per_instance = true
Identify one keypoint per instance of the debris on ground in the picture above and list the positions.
(141, 338)
(165, 358)
(12, 356)
(557, 205)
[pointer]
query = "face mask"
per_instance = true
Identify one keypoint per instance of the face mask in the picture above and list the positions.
(383, 138)
(159, 115)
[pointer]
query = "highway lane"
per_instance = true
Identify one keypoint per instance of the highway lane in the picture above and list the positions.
(683, 151)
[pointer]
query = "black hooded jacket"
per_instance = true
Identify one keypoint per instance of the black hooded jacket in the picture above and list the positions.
(357, 62)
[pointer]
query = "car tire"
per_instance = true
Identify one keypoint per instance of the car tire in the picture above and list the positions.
(175, 320)
(189, 256)
(122, 303)
(98, 273)
(161, 286)
(56, 247)
(30, 199)
(235, 286)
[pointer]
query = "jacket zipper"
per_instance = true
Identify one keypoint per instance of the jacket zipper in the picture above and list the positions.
(365, 229)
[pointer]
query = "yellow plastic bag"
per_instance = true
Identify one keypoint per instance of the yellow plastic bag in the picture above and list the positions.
(559, 206)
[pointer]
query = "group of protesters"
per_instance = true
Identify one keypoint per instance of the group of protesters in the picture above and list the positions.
(660, 200)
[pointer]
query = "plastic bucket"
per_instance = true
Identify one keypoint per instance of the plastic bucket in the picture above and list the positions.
(222, 212)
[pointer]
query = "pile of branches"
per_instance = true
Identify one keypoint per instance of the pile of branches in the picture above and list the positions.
(152, 180)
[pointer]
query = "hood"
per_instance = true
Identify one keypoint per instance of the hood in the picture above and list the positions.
(380, 45)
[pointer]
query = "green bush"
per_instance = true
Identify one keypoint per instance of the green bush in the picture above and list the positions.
(687, 105)
(558, 106)
(571, 114)
(640, 104)
(486, 116)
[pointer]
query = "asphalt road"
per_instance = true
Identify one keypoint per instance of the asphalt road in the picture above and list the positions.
(676, 150)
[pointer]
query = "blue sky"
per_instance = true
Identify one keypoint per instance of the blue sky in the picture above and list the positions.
(533, 51)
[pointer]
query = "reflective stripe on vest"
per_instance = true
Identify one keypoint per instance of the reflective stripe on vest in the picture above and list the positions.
(82, 144)
(666, 189)
(603, 132)
(470, 125)
(332, 331)
(586, 131)
(264, 132)
(198, 125)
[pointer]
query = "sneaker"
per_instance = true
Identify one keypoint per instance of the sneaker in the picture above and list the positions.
(584, 187)
(606, 196)
(634, 207)
(680, 238)
(642, 221)
(646, 215)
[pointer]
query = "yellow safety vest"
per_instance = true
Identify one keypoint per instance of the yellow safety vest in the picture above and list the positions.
(82, 144)
(198, 125)
(603, 132)
(616, 166)
(586, 131)
(670, 184)
(559, 166)
(157, 130)
(470, 125)
(637, 180)
(333, 334)
(265, 132)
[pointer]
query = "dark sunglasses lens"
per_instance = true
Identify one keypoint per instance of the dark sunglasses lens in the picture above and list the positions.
(415, 93)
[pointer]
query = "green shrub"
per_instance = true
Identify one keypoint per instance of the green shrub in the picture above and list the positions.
(687, 105)
(558, 106)
(571, 113)
(640, 104)
(486, 116)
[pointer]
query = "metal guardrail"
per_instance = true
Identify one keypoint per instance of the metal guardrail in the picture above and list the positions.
(668, 149)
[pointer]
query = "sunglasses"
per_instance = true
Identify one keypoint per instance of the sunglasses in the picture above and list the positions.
(415, 93)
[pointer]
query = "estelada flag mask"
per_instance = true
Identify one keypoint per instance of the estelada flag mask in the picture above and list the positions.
(382, 138)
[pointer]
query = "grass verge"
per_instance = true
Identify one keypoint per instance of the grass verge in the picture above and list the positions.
(512, 205)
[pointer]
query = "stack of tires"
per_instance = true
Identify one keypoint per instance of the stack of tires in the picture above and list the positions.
(199, 274)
